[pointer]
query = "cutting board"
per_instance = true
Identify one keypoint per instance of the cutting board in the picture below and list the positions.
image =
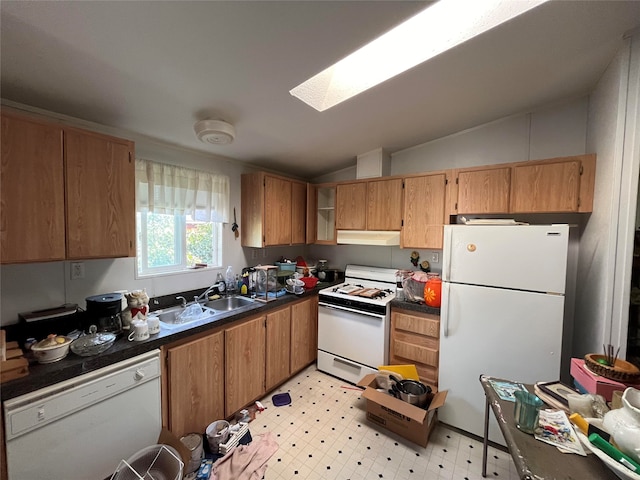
(409, 372)
(12, 364)
(369, 292)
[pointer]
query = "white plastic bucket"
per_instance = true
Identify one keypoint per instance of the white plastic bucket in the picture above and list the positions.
(217, 433)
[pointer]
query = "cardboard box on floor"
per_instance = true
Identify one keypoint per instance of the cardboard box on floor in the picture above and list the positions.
(411, 422)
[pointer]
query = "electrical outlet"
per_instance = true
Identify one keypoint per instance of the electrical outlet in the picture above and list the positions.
(435, 257)
(264, 253)
(254, 253)
(77, 270)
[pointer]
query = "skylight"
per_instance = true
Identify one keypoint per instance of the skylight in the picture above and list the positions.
(438, 28)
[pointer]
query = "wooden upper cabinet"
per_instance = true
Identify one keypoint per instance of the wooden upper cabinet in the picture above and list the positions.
(277, 211)
(32, 226)
(483, 190)
(100, 195)
(312, 209)
(369, 205)
(66, 193)
(298, 212)
(424, 211)
(273, 210)
(384, 204)
(554, 185)
(351, 206)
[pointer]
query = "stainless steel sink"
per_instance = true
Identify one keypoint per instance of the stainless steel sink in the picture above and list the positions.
(212, 310)
(171, 316)
(230, 303)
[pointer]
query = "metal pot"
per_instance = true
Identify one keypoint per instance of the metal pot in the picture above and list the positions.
(411, 391)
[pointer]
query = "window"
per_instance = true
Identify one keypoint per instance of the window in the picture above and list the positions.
(180, 214)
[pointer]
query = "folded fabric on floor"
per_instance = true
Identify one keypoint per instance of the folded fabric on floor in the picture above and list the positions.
(246, 462)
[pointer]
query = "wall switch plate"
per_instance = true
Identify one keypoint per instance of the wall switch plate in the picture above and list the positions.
(264, 253)
(77, 270)
(435, 257)
(254, 253)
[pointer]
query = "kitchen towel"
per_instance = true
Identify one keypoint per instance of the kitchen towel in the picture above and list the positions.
(246, 462)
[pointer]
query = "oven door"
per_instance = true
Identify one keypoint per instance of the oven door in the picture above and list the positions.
(351, 337)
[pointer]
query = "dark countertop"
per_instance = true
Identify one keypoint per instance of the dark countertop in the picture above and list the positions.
(414, 306)
(43, 375)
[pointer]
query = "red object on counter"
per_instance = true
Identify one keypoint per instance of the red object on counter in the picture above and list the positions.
(433, 292)
(309, 282)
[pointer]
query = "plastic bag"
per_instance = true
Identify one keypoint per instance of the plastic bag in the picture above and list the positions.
(192, 312)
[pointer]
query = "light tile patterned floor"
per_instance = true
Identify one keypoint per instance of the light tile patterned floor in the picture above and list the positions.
(324, 434)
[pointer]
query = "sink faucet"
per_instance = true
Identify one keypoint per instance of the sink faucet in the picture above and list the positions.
(204, 294)
(183, 301)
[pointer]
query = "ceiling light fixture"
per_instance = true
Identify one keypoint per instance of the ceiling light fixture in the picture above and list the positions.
(216, 132)
(438, 28)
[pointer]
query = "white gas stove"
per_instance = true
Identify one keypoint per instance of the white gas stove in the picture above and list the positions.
(353, 322)
(363, 287)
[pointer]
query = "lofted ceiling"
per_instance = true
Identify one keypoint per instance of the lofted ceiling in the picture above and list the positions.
(157, 67)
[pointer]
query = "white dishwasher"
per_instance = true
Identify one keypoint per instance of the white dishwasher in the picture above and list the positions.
(81, 428)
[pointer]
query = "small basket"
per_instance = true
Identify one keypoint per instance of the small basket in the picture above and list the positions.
(622, 371)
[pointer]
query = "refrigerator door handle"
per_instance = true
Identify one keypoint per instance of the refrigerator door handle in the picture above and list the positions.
(444, 308)
(447, 252)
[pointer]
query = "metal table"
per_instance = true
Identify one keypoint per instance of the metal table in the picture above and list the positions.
(536, 460)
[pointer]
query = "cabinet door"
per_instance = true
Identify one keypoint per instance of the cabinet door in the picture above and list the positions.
(278, 347)
(298, 212)
(312, 208)
(351, 206)
(251, 208)
(277, 211)
(546, 187)
(304, 333)
(196, 384)
(415, 340)
(424, 211)
(484, 191)
(31, 191)
(384, 204)
(100, 196)
(244, 364)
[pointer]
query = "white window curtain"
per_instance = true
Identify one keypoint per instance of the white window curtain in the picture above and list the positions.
(173, 190)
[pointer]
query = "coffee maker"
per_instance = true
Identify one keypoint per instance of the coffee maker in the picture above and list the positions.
(104, 311)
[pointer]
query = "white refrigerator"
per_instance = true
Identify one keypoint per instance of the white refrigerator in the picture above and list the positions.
(502, 313)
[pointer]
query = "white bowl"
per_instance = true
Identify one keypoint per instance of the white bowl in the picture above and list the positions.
(46, 352)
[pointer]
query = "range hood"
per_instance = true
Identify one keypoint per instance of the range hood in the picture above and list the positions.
(368, 237)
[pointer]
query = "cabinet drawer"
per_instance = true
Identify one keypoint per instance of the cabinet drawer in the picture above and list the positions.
(429, 326)
(416, 353)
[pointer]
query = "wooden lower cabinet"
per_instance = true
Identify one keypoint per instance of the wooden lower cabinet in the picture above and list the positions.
(215, 375)
(278, 347)
(415, 339)
(195, 391)
(244, 364)
(304, 333)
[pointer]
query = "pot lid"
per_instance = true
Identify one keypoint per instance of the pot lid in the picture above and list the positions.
(93, 341)
(51, 342)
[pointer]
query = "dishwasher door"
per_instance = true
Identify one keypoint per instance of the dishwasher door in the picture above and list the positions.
(81, 428)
